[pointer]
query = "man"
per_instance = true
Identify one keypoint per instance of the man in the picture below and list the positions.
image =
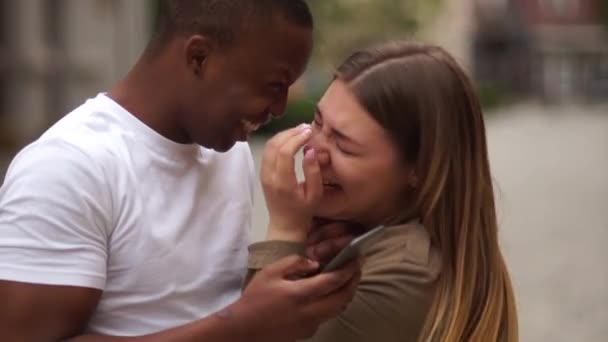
(130, 216)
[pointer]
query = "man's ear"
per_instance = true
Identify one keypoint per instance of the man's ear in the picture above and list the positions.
(197, 50)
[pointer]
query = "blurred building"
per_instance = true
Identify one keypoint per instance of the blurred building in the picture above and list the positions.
(554, 49)
(55, 53)
(452, 28)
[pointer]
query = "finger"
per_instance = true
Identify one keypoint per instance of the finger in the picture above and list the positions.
(293, 264)
(282, 137)
(328, 231)
(285, 159)
(335, 302)
(275, 143)
(324, 283)
(272, 146)
(327, 249)
(313, 184)
(315, 236)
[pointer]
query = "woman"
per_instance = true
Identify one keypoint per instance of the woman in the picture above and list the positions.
(399, 139)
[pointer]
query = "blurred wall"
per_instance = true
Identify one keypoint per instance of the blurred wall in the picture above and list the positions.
(555, 50)
(57, 53)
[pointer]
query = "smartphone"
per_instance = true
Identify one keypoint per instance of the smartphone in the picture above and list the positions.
(353, 249)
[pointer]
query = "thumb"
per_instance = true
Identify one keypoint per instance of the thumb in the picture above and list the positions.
(291, 267)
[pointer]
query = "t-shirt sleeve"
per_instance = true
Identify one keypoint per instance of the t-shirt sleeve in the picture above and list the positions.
(54, 218)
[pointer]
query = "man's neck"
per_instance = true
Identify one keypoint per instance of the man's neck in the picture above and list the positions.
(144, 92)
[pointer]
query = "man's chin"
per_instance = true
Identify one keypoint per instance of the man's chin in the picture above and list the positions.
(223, 146)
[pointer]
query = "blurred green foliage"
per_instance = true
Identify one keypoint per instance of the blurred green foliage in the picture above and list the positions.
(493, 95)
(342, 26)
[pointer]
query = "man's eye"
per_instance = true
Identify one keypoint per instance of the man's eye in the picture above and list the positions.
(277, 87)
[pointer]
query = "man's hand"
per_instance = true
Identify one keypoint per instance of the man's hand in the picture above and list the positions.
(325, 241)
(278, 308)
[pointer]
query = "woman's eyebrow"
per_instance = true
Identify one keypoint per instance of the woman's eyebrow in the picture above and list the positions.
(336, 132)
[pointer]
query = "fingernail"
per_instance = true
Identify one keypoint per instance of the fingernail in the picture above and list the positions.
(310, 154)
(312, 263)
(303, 126)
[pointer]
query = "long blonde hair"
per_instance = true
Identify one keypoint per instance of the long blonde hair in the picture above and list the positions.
(420, 95)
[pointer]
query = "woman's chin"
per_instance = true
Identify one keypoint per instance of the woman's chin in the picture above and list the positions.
(331, 215)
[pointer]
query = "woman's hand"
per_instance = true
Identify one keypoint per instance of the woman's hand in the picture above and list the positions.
(290, 204)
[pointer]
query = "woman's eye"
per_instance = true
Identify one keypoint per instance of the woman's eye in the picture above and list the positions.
(344, 151)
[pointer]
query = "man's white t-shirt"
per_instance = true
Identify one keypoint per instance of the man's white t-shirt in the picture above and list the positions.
(103, 201)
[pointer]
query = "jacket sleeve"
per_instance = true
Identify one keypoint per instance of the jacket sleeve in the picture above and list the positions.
(262, 254)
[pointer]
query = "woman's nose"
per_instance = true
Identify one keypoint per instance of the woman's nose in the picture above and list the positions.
(323, 158)
(321, 152)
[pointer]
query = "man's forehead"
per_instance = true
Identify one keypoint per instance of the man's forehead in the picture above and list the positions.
(287, 61)
(277, 50)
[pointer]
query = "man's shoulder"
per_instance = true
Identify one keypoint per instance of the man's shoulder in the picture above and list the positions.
(52, 163)
(84, 139)
(91, 127)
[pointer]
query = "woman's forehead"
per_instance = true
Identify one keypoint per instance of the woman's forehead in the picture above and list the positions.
(341, 109)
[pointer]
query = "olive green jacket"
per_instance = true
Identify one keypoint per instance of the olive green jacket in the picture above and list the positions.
(397, 286)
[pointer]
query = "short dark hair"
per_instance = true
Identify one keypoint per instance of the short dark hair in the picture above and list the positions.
(223, 20)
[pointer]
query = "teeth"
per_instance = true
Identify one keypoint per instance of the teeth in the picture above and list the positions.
(250, 126)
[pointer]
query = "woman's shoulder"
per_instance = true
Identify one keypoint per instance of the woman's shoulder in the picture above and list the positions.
(395, 292)
(404, 253)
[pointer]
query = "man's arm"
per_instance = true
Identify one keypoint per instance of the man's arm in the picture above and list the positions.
(273, 308)
(54, 214)
(32, 312)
